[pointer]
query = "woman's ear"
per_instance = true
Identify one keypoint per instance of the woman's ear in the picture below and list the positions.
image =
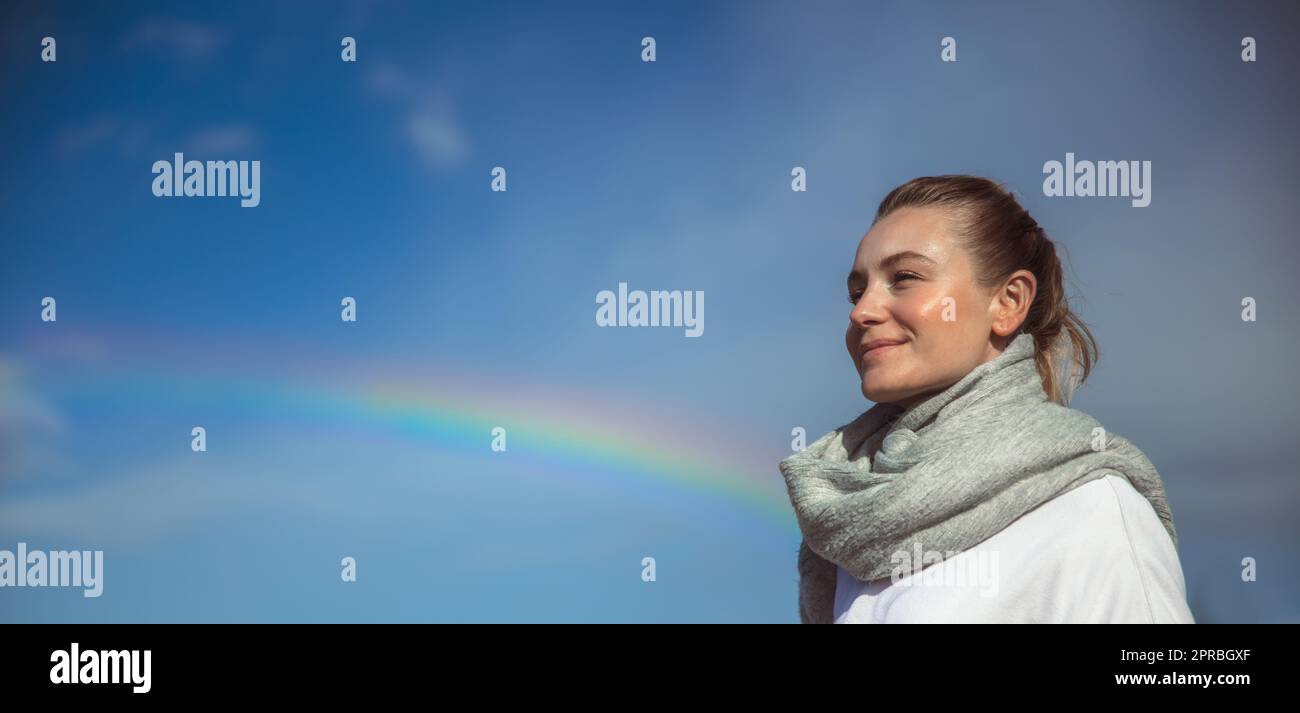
(1012, 302)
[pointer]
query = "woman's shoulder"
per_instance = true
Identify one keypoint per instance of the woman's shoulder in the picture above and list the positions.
(1106, 512)
(1106, 550)
(1094, 554)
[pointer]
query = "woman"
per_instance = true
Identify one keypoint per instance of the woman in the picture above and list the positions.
(970, 491)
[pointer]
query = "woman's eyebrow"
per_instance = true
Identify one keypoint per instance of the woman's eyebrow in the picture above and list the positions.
(897, 257)
(888, 262)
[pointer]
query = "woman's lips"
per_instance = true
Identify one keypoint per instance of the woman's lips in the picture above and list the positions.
(880, 351)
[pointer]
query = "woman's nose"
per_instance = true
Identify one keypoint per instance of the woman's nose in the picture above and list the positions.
(867, 311)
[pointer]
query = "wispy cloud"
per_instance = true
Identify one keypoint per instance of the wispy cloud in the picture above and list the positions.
(436, 137)
(390, 82)
(182, 39)
(26, 420)
(155, 501)
(428, 120)
(132, 136)
(82, 135)
(221, 140)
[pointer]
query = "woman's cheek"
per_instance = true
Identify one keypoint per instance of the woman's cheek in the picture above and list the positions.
(931, 307)
(852, 343)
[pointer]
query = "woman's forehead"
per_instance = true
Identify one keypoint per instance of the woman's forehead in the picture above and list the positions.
(916, 234)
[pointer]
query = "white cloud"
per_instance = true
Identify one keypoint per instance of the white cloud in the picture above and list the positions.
(189, 41)
(390, 82)
(135, 137)
(436, 138)
(221, 140)
(26, 420)
(79, 136)
(428, 122)
(151, 503)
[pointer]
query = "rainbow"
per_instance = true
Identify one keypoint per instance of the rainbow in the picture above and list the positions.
(440, 404)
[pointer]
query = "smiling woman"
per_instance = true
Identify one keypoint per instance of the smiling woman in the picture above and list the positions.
(970, 452)
(951, 270)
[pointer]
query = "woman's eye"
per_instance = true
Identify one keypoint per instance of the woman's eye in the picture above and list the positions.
(898, 277)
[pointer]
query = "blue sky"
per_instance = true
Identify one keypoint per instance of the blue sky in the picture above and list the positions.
(666, 175)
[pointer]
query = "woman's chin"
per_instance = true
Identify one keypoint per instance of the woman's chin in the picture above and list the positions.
(880, 395)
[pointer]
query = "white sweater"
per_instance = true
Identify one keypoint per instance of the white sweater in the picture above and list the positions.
(1095, 554)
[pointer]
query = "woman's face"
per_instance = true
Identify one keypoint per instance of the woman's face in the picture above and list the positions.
(914, 287)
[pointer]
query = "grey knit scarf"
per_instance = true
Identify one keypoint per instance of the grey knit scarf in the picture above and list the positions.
(946, 474)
